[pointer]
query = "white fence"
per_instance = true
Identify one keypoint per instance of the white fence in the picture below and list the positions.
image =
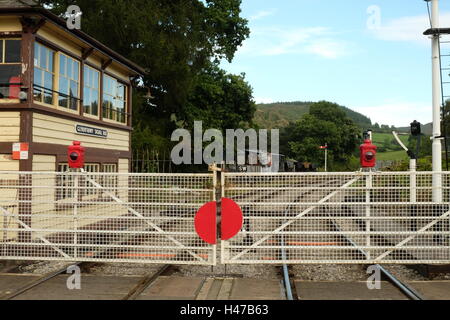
(364, 218)
(145, 218)
(289, 218)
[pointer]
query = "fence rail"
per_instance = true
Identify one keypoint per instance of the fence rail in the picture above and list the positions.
(293, 218)
(106, 217)
(338, 218)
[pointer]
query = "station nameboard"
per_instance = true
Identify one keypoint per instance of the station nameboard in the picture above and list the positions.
(90, 131)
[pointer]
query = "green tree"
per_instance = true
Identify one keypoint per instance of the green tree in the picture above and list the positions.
(221, 100)
(325, 123)
(176, 42)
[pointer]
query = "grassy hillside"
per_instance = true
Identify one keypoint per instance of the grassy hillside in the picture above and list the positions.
(427, 129)
(389, 149)
(278, 115)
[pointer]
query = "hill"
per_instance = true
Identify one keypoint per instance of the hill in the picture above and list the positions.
(278, 115)
(427, 129)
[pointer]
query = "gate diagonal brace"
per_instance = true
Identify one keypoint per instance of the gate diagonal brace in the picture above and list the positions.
(27, 227)
(421, 231)
(291, 221)
(131, 210)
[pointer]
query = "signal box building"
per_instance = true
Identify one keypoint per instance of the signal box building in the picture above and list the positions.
(57, 86)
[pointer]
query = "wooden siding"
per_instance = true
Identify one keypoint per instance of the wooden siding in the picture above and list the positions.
(49, 129)
(10, 24)
(9, 127)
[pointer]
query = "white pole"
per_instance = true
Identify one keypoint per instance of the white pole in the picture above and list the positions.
(437, 95)
(413, 181)
(368, 213)
(326, 157)
(75, 216)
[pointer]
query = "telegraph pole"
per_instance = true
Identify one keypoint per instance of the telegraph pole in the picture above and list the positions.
(437, 95)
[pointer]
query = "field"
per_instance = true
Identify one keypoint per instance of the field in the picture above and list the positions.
(390, 149)
(392, 155)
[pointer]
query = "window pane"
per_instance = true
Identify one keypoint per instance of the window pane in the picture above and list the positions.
(12, 51)
(38, 77)
(9, 81)
(48, 80)
(50, 60)
(62, 64)
(37, 94)
(76, 70)
(48, 84)
(73, 104)
(36, 54)
(121, 92)
(48, 97)
(96, 79)
(94, 103)
(105, 84)
(86, 75)
(63, 85)
(74, 89)
(1, 51)
(86, 99)
(43, 58)
(69, 68)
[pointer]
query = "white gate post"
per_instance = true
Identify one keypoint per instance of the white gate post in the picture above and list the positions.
(75, 216)
(413, 181)
(368, 213)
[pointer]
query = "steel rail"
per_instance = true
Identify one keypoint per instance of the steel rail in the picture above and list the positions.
(37, 282)
(404, 288)
(146, 282)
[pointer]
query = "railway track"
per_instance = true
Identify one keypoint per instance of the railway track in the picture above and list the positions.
(406, 289)
(289, 283)
(133, 294)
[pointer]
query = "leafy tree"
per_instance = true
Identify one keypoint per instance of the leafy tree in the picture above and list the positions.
(179, 42)
(174, 40)
(221, 100)
(425, 146)
(325, 123)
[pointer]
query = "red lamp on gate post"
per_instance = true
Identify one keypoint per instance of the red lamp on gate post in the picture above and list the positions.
(75, 155)
(368, 154)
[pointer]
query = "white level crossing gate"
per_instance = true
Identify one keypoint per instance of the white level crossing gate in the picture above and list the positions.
(371, 218)
(147, 218)
(289, 218)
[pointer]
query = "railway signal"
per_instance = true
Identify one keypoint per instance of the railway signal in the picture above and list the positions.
(368, 154)
(416, 129)
(75, 155)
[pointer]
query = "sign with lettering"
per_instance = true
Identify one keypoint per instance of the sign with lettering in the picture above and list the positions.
(90, 131)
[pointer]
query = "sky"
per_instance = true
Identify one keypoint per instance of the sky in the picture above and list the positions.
(368, 55)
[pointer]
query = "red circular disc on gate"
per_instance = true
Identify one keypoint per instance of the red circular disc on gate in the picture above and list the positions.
(232, 219)
(206, 223)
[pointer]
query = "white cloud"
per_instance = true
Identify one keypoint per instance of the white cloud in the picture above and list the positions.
(407, 29)
(264, 100)
(397, 113)
(262, 14)
(275, 41)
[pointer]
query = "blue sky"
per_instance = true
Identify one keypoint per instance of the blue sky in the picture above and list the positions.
(310, 50)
